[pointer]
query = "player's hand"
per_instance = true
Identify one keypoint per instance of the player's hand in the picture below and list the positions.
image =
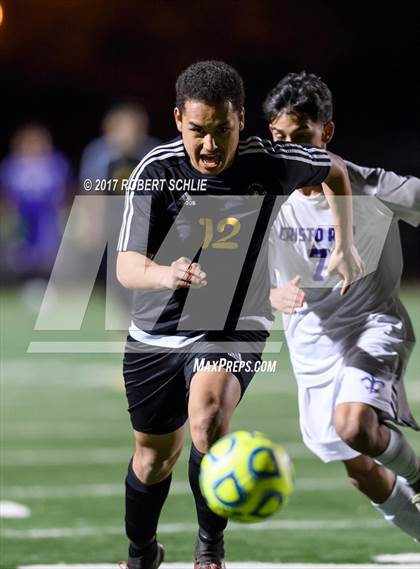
(183, 273)
(288, 298)
(346, 263)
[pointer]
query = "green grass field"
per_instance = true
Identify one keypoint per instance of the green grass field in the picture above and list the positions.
(66, 442)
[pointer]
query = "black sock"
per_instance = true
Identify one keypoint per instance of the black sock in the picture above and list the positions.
(143, 504)
(211, 525)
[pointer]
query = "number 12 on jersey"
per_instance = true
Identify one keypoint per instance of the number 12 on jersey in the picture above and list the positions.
(322, 254)
(224, 241)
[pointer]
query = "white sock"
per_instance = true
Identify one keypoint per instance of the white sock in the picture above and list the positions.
(399, 510)
(400, 457)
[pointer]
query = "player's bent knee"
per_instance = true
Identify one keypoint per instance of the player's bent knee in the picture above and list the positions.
(356, 426)
(207, 425)
(356, 436)
(152, 466)
(153, 469)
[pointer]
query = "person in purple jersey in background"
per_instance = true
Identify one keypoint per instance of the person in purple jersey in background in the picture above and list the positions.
(35, 179)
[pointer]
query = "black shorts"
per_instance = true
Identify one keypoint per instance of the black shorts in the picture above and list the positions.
(157, 383)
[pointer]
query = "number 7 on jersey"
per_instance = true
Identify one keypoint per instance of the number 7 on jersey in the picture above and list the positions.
(322, 254)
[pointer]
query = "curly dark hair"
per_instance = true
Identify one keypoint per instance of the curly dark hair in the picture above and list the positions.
(300, 93)
(210, 82)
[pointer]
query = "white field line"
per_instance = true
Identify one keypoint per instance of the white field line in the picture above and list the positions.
(117, 489)
(175, 528)
(399, 558)
(31, 430)
(68, 347)
(84, 428)
(50, 457)
(232, 565)
(19, 372)
(13, 510)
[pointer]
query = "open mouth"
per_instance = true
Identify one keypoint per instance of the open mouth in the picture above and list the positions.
(211, 161)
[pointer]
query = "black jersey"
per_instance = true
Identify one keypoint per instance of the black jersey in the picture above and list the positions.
(222, 222)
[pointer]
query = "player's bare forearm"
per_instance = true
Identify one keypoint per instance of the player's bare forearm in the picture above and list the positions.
(345, 259)
(135, 270)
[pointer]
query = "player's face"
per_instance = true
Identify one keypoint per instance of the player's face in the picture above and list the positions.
(300, 129)
(210, 134)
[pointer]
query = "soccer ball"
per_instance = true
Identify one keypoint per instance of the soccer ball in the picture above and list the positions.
(246, 477)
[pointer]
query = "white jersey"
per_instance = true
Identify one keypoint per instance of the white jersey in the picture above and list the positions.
(301, 241)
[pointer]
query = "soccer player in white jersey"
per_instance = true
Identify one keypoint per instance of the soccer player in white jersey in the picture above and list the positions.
(348, 356)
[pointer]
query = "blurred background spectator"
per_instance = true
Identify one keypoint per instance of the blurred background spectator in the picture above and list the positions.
(124, 142)
(35, 182)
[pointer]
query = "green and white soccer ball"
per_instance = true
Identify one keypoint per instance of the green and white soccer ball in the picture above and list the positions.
(246, 477)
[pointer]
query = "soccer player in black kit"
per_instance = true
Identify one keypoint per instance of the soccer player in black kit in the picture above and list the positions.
(193, 245)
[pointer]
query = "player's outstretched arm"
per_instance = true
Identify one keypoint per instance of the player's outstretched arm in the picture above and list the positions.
(288, 298)
(135, 270)
(401, 194)
(344, 259)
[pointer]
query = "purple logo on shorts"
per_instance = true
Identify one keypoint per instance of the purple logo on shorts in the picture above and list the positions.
(371, 384)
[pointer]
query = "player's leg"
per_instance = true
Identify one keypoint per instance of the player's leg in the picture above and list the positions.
(388, 493)
(357, 424)
(156, 395)
(147, 486)
(213, 398)
(360, 427)
(212, 401)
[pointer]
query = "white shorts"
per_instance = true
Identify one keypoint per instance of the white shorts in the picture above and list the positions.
(382, 390)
